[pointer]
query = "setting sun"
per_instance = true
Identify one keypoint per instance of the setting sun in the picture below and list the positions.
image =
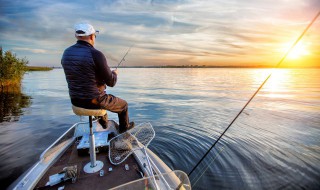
(301, 55)
(298, 51)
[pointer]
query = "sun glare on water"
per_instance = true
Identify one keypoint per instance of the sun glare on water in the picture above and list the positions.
(278, 84)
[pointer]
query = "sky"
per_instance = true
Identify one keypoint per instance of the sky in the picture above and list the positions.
(166, 32)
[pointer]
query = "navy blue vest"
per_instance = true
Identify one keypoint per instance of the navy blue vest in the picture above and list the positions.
(79, 68)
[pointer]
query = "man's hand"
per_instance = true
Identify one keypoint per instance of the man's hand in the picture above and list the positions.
(116, 71)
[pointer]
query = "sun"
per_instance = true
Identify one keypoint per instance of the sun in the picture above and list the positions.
(299, 51)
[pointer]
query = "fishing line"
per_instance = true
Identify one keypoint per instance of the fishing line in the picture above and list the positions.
(123, 57)
(213, 159)
(279, 63)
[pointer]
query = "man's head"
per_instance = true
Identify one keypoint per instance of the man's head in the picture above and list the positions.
(85, 32)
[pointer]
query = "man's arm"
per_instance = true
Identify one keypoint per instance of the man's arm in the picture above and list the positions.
(104, 73)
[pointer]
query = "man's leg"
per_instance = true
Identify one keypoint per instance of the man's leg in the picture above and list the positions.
(117, 105)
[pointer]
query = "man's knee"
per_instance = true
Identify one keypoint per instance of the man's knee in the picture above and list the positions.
(125, 105)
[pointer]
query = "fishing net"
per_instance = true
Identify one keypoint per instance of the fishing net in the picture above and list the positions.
(123, 145)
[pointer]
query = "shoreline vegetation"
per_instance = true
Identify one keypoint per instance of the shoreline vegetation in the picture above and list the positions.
(37, 68)
(13, 68)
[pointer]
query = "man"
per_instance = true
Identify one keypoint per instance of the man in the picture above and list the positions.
(88, 74)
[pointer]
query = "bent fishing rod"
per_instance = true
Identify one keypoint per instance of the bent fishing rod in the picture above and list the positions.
(123, 57)
(256, 92)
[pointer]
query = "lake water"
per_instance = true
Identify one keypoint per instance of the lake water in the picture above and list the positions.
(274, 144)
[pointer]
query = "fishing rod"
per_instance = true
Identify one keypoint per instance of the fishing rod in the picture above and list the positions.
(123, 57)
(256, 92)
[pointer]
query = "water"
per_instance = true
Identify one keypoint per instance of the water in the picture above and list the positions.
(274, 144)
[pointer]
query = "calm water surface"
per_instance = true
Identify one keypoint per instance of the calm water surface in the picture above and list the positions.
(274, 144)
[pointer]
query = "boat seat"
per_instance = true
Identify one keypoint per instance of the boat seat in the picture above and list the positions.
(94, 165)
(88, 112)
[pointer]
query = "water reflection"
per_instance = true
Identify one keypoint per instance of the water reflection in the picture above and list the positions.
(274, 144)
(279, 84)
(12, 102)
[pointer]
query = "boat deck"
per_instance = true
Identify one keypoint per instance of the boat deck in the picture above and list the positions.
(116, 177)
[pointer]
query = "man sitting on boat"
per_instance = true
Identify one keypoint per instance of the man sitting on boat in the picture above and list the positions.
(88, 74)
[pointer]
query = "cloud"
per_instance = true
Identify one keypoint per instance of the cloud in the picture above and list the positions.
(30, 50)
(174, 31)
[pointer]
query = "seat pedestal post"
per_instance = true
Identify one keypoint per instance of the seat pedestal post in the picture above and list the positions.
(94, 165)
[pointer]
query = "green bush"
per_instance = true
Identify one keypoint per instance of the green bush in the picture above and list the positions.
(11, 68)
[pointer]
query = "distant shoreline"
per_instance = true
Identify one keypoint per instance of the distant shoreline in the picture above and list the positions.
(235, 67)
(36, 68)
(191, 66)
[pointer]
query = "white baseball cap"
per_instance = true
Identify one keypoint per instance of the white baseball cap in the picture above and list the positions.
(84, 29)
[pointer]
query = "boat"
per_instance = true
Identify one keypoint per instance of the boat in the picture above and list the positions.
(117, 161)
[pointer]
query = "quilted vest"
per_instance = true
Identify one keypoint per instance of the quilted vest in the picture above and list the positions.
(79, 69)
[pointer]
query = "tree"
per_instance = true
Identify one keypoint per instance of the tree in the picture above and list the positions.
(12, 68)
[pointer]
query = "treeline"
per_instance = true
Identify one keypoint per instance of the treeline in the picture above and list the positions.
(12, 69)
(35, 68)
